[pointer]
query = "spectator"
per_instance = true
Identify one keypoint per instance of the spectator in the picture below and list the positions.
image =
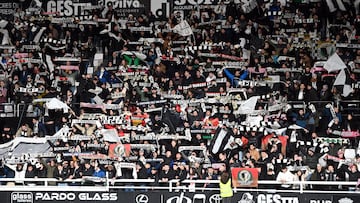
(210, 175)
(61, 174)
(50, 170)
(41, 171)
(24, 131)
(318, 175)
(312, 158)
(3, 92)
(30, 173)
(166, 174)
(98, 172)
(352, 171)
(331, 175)
(285, 176)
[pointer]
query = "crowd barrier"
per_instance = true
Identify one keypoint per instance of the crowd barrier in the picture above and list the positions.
(141, 193)
(170, 186)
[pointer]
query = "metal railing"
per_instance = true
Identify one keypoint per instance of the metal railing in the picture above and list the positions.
(104, 184)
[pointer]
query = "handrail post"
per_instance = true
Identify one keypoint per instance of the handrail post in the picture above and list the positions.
(17, 109)
(107, 182)
(170, 186)
(301, 186)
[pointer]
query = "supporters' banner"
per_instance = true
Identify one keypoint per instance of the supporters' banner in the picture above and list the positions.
(99, 106)
(30, 90)
(348, 45)
(235, 58)
(346, 134)
(22, 145)
(8, 8)
(111, 120)
(21, 55)
(245, 177)
(69, 67)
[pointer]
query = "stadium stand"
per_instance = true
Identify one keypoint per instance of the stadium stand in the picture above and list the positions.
(96, 93)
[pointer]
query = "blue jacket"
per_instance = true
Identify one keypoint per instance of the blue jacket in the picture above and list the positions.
(234, 81)
(100, 174)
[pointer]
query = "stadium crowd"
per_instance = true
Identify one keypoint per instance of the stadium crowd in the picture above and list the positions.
(241, 88)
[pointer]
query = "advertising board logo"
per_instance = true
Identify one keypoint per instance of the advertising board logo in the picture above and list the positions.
(121, 3)
(276, 198)
(345, 200)
(193, 2)
(160, 8)
(320, 201)
(71, 196)
(67, 7)
(247, 198)
(141, 198)
(215, 198)
(22, 197)
(179, 199)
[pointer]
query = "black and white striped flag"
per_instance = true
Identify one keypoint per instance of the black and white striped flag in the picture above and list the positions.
(38, 33)
(219, 141)
(335, 5)
(343, 83)
(5, 33)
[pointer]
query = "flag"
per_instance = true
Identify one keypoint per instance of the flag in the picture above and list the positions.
(219, 141)
(245, 177)
(183, 29)
(334, 63)
(38, 33)
(249, 105)
(5, 39)
(356, 5)
(334, 5)
(343, 83)
(110, 135)
(248, 5)
(3, 23)
(49, 63)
